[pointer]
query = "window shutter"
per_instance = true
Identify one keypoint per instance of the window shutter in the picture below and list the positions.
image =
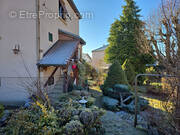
(64, 8)
(50, 37)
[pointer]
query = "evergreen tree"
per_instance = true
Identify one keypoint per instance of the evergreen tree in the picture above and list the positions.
(122, 39)
(127, 67)
(115, 76)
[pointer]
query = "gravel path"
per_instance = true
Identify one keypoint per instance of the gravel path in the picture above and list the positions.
(120, 124)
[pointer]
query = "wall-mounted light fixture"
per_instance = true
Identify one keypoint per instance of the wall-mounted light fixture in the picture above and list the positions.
(16, 49)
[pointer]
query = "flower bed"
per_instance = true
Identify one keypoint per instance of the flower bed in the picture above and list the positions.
(67, 118)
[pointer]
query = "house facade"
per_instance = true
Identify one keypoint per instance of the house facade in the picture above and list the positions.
(38, 39)
(87, 58)
(98, 61)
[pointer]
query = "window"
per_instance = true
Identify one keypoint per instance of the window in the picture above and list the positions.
(62, 10)
(50, 37)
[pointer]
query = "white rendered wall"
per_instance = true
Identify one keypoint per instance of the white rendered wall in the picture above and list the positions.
(23, 32)
(52, 25)
(16, 31)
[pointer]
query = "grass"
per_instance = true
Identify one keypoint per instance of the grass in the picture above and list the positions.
(96, 88)
(157, 103)
(93, 86)
(156, 84)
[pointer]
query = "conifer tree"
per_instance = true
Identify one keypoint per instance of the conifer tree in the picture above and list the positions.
(122, 39)
(115, 76)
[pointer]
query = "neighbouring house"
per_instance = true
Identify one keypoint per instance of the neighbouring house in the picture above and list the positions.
(87, 58)
(39, 40)
(98, 61)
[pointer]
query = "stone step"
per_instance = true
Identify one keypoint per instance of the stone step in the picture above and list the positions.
(54, 93)
(54, 97)
(59, 83)
(58, 87)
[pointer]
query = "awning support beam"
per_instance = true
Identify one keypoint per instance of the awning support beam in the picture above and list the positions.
(51, 76)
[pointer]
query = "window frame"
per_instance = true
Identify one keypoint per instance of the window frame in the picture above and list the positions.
(62, 10)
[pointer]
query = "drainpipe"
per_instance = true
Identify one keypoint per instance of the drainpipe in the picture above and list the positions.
(38, 35)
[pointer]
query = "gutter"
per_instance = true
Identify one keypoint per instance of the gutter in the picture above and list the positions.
(38, 34)
(71, 2)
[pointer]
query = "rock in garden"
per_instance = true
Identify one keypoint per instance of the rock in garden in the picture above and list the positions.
(76, 92)
(110, 103)
(122, 89)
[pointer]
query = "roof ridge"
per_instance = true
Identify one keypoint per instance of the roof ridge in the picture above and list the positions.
(100, 48)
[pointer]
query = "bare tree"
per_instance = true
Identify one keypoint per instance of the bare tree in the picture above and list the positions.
(161, 38)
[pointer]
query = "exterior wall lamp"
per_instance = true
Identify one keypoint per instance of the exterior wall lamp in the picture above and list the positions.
(16, 49)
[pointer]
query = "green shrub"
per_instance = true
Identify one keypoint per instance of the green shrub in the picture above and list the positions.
(82, 73)
(90, 101)
(73, 128)
(1, 110)
(115, 76)
(36, 120)
(121, 88)
(42, 119)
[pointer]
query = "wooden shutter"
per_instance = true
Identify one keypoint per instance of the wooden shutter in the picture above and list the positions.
(64, 8)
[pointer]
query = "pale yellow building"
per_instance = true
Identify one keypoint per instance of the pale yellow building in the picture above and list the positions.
(98, 61)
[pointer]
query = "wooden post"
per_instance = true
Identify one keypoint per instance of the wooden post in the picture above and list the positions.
(65, 81)
(136, 101)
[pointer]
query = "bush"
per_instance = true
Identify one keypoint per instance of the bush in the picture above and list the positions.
(73, 128)
(115, 76)
(82, 73)
(36, 120)
(121, 88)
(86, 117)
(1, 110)
(90, 101)
(69, 119)
(118, 89)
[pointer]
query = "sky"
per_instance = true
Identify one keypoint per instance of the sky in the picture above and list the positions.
(98, 15)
